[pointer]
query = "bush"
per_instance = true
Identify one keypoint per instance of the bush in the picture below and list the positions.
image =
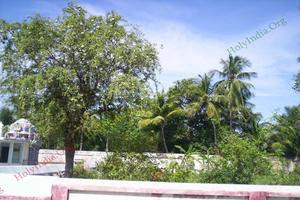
(240, 162)
(180, 172)
(128, 166)
(80, 172)
(280, 178)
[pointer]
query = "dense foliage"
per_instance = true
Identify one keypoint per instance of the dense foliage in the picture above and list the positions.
(283, 136)
(127, 166)
(58, 71)
(6, 116)
(240, 161)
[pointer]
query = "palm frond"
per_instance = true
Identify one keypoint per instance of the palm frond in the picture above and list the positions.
(193, 108)
(217, 72)
(144, 123)
(212, 111)
(157, 120)
(246, 75)
(220, 99)
(178, 112)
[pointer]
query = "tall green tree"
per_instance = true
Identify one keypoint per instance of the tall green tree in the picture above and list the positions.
(203, 108)
(233, 84)
(119, 133)
(297, 80)
(249, 122)
(284, 135)
(56, 71)
(163, 111)
(207, 102)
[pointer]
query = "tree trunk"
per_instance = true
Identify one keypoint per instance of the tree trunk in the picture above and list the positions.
(230, 120)
(163, 139)
(296, 159)
(69, 155)
(215, 132)
(81, 141)
(106, 144)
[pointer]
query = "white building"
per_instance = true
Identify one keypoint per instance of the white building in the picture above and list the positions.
(16, 146)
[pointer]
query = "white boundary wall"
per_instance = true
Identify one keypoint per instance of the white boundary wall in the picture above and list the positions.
(91, 158)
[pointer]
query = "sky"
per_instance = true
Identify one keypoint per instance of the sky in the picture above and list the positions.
(192, 36)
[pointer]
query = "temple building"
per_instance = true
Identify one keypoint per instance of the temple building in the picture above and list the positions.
(19, 146)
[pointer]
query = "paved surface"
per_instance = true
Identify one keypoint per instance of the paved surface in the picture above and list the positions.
(30, 186)
(43, 169)
(41, 188)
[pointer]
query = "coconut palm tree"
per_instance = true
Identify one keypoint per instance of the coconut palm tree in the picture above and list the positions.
(163, 111)
(297, 80)
(207, 101)
(284, 136)
(233, 84)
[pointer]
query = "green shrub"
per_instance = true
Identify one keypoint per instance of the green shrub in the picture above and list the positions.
(80, 172)
(280, 178)
(240, 162)
(180, 172)
(128, 166)
(184, 171)
(237, 161)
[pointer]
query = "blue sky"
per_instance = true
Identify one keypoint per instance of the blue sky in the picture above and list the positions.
(196, 34)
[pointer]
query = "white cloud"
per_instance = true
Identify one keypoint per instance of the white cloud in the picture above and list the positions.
(93, 10)
(186, 54)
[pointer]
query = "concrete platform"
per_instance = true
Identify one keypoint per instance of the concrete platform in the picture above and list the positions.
(54, 188)
(38, 187)
(44, 169)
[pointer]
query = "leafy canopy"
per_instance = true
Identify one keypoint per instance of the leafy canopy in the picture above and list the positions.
(55, 71)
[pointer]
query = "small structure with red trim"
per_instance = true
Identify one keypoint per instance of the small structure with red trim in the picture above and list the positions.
(19, 145)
